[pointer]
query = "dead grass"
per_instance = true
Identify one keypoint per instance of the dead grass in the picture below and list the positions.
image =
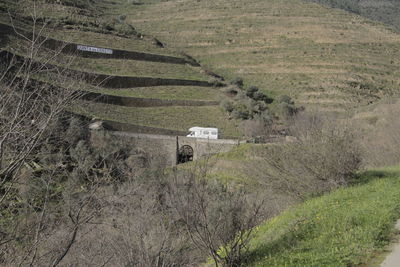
(283, 46)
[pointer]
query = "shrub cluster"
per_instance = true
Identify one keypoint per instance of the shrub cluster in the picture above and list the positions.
(286, 108)
(323, 155)
(248, 103)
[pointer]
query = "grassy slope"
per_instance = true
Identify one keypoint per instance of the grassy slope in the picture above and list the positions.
(241, 165)
(119, 67)
(176, 118)
(347, 227)
(166, 92)
(155, 92)
(288, 46)
(344, 228)
(138, 68)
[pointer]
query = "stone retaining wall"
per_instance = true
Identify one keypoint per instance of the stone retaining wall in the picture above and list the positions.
(111, 81)
(142, 102)
(130, 101)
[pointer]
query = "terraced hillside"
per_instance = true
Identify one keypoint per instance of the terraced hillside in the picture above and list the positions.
(325, 58)
(149, 92)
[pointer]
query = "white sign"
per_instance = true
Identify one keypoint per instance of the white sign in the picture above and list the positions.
(94, 49)
(201, 132)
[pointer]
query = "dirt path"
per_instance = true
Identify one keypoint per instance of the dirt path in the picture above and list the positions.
(393, 259)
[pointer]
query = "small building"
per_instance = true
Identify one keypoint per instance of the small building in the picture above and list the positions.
(201, 132)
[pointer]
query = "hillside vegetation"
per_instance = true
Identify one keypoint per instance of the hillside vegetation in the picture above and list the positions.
(74, 194)
(325, 58)
(345, 228)
(160, 71)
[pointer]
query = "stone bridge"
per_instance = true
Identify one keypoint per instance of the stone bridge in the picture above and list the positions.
(168, 150)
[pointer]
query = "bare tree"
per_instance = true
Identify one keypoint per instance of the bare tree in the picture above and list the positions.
(323, 155)
(29, 112)
(28, 108)
(219, 219)
(146, 233)
(380, 137)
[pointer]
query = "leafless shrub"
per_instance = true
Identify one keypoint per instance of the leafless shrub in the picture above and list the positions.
(29, 112)
(28, 109)
(146, 234)
(219, 220)
(324, 155)
(133, 227)
(227, 105)
(256, 128)
(381, 141)
(286, 108)
(49, 220)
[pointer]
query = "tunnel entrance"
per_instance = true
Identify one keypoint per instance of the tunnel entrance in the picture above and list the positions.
(185, 154)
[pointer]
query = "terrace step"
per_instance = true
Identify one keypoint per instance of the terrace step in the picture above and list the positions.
(111, 81)
(141, 102)
(88, 51)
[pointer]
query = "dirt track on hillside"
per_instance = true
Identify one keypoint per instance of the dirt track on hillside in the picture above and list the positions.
(393, 259)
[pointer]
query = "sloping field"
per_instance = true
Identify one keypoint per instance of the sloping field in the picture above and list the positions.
(286, 46)
(173, 118)
(138, 68)
(115, 66)
(194, 93)
(166, 92)
(345, 228)
(140, 94)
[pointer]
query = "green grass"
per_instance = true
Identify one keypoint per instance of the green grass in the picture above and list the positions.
(233, 168)
(173, 118)
(345, 228)
(166, 92)
(156, 92)
(138, 68)
(239, 153)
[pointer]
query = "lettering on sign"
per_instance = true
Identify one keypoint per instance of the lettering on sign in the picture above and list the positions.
(94, 49)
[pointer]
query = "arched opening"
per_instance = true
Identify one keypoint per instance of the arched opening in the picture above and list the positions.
(185, 154)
